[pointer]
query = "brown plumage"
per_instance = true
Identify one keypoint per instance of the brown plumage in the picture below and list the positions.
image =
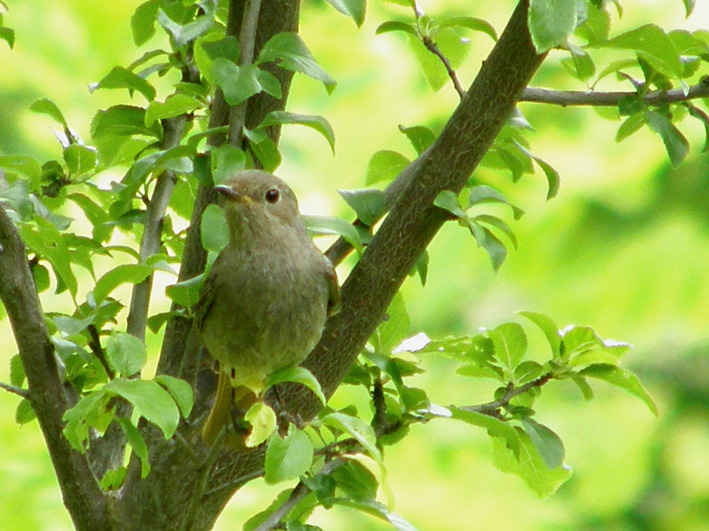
(265, 301)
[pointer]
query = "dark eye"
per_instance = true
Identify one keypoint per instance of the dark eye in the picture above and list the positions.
(273, 195)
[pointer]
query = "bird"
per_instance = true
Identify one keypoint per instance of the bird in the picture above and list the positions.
(264, 303)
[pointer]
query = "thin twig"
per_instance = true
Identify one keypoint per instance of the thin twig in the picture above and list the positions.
(493, 408)
(231, 485)
(611, 99)
(24, 393)
(155, 213)
(187, 448)
(97, 349)
(201, 484)
(247, 40)
(435, 50)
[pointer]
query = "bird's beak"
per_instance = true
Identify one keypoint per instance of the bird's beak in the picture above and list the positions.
(230, 193)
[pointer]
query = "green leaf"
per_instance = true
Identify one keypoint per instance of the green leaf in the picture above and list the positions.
(113, 479)
(8, 35)
(631, 125)
(579, 339)
(265, 149)
(475, 24)
(226, 160)
(126, 353)
(369, 203)
(41, 278)
(448, 200)
(270, 84)
(395, 25)
(48, 107)
(676, 144)
(385, 165)
(290, 52)
(581, 382)
(238, 83)
(48, 242)
(580, 65)
(137, 444)
(700, 115)
(529, 465)
(126, 273)
(623, 379)
(689, 6)
(430, 65)
(481, 371)
(498, 224)
(320, 124)
(323, 225)
(393, 329)
(24, 412)
(551, 22)
(379, 472)
(80, 159)
(547, 443)
(528, 371)
(22, 165)
(175, 105)
(495, 427)
(150, 401)
(486, 194)
(653, 45)
(510, 343)
(288, 458)
(142, 22)
(122, 120)
(362, 432)
(184, 33)
(180, 391)
(596, 27)
(89, 411)
(156, 322)
(17, 371)
(420, 137)
(120, 77)
(214, 229)
(299, 375)
(185, 293)
(263, 423)
(354, 9)
(374, 508)
(549, 327)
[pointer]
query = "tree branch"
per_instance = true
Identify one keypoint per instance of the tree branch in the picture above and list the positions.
(15, 390)
(157, 207)
(82, 494)
(247, 42)
(611, 99)
(493, 408)
(435, 50)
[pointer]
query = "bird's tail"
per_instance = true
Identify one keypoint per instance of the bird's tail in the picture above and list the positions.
(227, 413)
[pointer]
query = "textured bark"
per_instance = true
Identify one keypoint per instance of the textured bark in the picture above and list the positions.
(81, 492)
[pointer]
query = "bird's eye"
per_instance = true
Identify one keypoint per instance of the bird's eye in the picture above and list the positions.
(273, 195)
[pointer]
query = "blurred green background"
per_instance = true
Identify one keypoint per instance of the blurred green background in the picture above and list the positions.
(623, 248)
